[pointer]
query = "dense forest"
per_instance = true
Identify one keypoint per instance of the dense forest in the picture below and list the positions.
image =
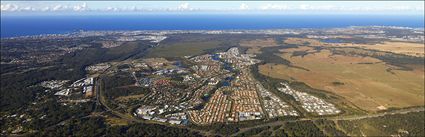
(411, 124)
(303, 129)
(17, 89)
(96, 126)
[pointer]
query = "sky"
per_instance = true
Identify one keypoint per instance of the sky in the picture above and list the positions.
(240, 7)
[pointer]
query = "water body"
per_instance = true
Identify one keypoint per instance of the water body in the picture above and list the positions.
(215, 57)
(12, 26)
(226, 66)
(332, 40)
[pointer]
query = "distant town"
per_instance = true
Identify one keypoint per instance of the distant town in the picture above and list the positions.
(158, 35)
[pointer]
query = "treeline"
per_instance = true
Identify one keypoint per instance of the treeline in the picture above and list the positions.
(295, 129)
(18, 48)
(96, 55)
(17, 89)
(218, 128)
(303, 129)
(224, 129)
(44, 115)
(53, 113)
(254, 132)
(399, 60)
(268, 55)
(329, 128)
(96, 126)
(279, 131)
(227, 129)
(410, 124)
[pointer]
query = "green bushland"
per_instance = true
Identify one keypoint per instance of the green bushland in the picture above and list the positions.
(17, 90)
(302, 129)
(96, 126)
(387, 125)
(253, 132)
(329, 128)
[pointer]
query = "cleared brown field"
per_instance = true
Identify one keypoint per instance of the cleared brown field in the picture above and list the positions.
(406, 48)
(254, 46)
(116, 121)
(365, 80)
(302, 41)
(302, 48)
(156, 61)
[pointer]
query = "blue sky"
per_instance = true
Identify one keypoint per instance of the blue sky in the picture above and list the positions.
(278, 7)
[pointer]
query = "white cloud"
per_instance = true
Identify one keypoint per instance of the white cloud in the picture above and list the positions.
(111, 9)
(46, 9)
(28, 8)
(184, 6)
(9, 7)
(274, 7)
(243, 6)
(304, 7)
(189, 6)
(82, 7)
(132, 8)
(338, 8)
(59, 8)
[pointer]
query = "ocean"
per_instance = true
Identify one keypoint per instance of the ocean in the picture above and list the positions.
(12, 26)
